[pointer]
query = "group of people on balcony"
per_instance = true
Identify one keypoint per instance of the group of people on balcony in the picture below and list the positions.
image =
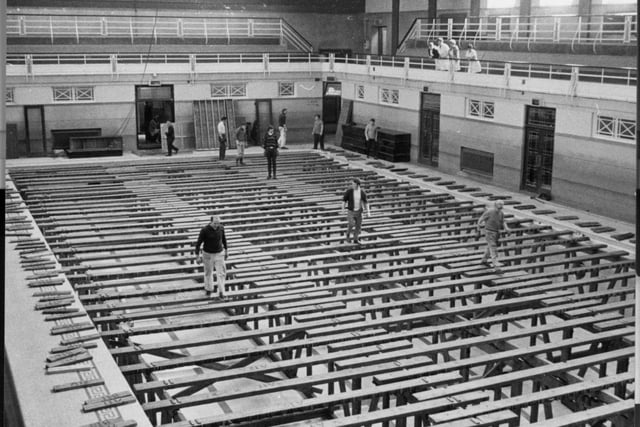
(447, 56)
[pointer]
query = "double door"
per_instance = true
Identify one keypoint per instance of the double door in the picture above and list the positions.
(538, 155)
(430, 128)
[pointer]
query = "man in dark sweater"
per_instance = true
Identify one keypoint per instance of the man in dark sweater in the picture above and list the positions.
(270, 145)
(493, 222)
(355, 201)
(171, 136)
(214, 255)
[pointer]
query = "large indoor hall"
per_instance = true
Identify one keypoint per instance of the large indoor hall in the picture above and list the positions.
(324, 213)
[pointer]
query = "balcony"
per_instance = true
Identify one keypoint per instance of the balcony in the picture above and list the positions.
(528, 31)
(564, 79)
(26, 29)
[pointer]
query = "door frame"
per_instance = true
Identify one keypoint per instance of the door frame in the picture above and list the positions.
(421, 158)
(260, 132)
(539, 190)
(329, 126)
(138, 118)
(26, 125)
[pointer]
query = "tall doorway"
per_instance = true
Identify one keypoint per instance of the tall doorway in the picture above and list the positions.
(154, 105)
(36, 137)
(264, 119)
(538, 150)
(379, 41)
(430, 128)
(331, 104)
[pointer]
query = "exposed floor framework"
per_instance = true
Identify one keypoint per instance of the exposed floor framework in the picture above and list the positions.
(406, 327)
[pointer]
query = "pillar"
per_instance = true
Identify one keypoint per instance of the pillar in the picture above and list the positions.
(525, 16)
(475, 8)
(432, 10)
(395, 25)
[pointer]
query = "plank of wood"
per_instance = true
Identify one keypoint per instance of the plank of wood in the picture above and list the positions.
(81, 357)
(109, 401)
(77, 384)
(113, 423)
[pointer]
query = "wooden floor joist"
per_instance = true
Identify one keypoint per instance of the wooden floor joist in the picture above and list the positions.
(406, 327)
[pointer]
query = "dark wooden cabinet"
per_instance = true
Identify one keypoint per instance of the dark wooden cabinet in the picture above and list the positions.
(393, 145)
(92, 146)
(61, 136)
(353, 138)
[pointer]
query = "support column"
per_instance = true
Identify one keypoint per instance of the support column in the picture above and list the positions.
(525, 17)
(584, 7)
(474, 10)
(432, 10)
(473, 21)
(584, 12)
(395, 25)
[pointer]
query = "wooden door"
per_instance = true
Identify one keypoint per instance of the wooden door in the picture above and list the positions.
(430, 128)
(538, 150)
(331, 105)
(35, 133)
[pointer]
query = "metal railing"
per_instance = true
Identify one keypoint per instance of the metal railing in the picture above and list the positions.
(142, 29)
(580, 73)
(593, 29)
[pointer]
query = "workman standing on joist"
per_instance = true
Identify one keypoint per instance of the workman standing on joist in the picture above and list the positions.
(214, 255)
(493, 222)
(355, 201)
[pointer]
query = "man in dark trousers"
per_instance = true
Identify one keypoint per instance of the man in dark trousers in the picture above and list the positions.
(371, 138)
(282, 129)
(493, 222)
(318, 132)
(270, 145)
(222, 136)
(154, 129)
(214, 254)
(355, 201)
(171, 136)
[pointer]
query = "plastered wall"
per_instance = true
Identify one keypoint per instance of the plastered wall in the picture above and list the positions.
(591, 172)
(114, 107)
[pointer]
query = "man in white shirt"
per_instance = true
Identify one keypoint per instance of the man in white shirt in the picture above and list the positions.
(443, 50)
(282, 129)
(222, 136)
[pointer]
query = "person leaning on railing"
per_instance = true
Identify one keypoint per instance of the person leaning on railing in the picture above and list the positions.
(473, 65)
(454, 55)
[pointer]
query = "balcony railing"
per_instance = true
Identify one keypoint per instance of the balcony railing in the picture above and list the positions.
(594, 29)
(142, 29)
(194, 63)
